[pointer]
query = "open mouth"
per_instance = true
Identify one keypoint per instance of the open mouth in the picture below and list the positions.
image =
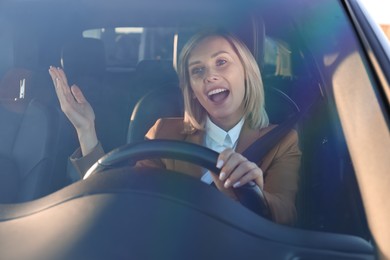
(218, 95)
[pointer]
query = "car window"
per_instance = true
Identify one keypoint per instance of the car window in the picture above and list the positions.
(277, 58)
(299, 51)
(126, 46)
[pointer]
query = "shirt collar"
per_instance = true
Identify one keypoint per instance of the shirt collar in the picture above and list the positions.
(218, 134)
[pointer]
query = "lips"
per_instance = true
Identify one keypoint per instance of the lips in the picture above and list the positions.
(218, 95)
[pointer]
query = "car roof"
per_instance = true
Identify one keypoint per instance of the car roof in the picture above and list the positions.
(90, 13)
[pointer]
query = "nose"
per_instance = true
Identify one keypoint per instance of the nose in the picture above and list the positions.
(211, 76)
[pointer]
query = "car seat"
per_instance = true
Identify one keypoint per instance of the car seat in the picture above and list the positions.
(154, 105)
(169, 103)
(29, 138)
(166, 102)
(12, 82)
(84, 57)
(161, 97)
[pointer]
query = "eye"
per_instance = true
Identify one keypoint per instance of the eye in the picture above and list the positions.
(221, 62)
(197, 70)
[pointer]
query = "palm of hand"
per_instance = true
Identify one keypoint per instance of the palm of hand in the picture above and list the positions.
(72, 101)
(78, 109)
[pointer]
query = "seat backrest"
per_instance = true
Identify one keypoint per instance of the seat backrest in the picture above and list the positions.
(161, 103)
(279, 106)
(158, 85)
(29, 138)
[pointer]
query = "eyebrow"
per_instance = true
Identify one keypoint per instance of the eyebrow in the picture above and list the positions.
(212, 56)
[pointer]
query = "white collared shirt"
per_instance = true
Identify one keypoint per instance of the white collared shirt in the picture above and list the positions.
(218, 140)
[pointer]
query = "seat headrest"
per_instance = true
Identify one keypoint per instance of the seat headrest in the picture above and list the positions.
(84, 58)
(161, 67)
(152, 72)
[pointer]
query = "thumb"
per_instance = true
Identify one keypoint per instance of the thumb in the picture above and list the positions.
(78, 94)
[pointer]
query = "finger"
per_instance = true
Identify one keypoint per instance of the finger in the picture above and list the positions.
(54, 74)
(61, 84)
(241, 170)
(250, 173)
(65, 97)
(224, 157)
(57, 86)
(63, 92)
(62, 76)
(234, 160)
(78, 94)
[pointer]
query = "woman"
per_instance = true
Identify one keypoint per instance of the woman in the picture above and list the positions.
(224, 110)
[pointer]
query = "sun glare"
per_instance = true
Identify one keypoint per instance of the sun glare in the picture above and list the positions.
(379, 10)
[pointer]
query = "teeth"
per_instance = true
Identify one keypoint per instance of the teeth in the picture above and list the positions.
(216, 91)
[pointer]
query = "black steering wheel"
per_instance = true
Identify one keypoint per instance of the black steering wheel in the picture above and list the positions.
(250, 195)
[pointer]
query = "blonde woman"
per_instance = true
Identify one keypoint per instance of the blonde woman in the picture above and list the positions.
(224, 111)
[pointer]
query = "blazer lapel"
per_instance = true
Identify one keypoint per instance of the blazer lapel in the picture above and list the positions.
(195, 138)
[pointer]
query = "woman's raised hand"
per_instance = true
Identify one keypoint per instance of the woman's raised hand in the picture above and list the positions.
(76, 108)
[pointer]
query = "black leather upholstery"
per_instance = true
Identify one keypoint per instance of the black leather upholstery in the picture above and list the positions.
(155, 73)
(10, 82)
(84, 57)
(169, 103)
(154, 105)
(279, 106)
(163, 98)
(28, 148)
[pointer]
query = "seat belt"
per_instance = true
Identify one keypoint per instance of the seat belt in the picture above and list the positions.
(256, 152)
(258, 149)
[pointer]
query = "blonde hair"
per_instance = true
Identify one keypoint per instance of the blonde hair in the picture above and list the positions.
(195, 114)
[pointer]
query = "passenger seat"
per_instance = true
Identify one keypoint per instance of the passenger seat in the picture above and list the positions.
(13, 80)
(29, 138)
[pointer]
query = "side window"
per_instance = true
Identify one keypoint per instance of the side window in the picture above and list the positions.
(277, 58)
(122, 45)
(126, 46)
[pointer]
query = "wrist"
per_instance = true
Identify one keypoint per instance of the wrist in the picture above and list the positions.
(88, 140)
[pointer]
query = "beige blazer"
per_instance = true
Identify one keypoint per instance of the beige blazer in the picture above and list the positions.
(280, 166)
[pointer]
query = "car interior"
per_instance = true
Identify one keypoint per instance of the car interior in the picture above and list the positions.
(124, 60)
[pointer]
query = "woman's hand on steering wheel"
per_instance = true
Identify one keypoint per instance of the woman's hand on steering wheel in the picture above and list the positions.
(236, 171)
(236, 167)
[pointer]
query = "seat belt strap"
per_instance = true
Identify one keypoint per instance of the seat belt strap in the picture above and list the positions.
(258, 149)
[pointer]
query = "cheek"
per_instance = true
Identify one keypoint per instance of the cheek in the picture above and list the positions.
(196, 88)
(238, 81)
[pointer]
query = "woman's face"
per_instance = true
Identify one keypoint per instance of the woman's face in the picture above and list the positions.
(217, 80)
